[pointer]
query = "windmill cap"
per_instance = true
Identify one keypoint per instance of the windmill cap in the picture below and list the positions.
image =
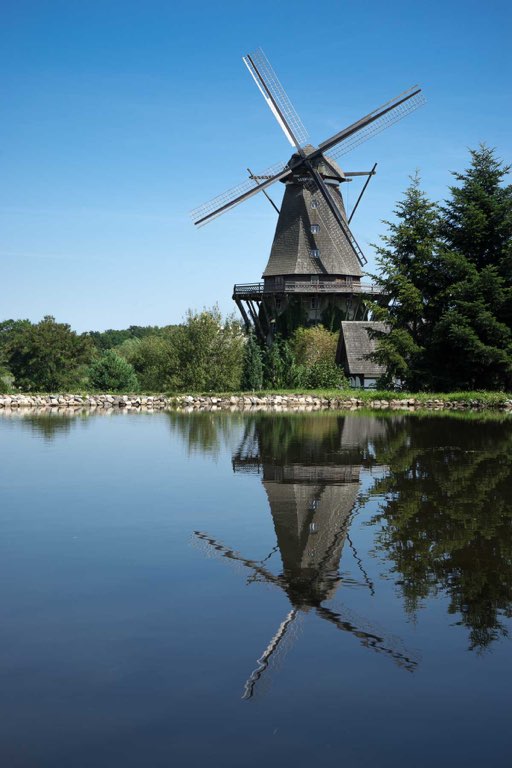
(323, 163)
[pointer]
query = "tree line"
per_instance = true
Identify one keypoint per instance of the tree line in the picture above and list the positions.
(445, 271)
(207, 352)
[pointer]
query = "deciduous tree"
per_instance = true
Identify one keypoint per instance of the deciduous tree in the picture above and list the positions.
(210, 352)
(47, 356)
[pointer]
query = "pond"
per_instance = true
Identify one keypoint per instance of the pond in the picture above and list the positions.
(255, 589)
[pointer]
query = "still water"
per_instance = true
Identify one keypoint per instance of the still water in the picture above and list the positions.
(255, 590)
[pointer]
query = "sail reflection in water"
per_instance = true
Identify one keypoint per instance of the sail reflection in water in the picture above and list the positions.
(310, 469)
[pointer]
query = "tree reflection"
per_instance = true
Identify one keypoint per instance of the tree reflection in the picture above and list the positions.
(444, 491)
(205, 431)
(445, 517)
(47, 424)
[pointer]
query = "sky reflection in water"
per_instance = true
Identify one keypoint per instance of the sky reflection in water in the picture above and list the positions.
(235, 589)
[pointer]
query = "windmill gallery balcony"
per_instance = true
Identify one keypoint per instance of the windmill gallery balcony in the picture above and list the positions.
(256, 291)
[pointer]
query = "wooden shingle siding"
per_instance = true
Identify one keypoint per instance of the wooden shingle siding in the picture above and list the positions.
(355, 347)
(294, 241)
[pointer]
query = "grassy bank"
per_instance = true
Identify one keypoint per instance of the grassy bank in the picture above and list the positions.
(488, 399)
(318, 398)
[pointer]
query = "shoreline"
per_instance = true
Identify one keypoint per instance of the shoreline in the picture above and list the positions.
(246, 402)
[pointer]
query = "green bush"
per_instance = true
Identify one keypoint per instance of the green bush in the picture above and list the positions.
(112, 373)
(314, 345)
(307, 360)
(325, 374)
(5, 385)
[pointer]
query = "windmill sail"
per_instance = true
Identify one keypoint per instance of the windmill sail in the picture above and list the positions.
(236, 195)
(342, 238)
(272, 652)
(369, 637)
(276, 98)
(373, 123)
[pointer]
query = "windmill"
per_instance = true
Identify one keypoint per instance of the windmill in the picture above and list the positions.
(312, 503)
(315, 266)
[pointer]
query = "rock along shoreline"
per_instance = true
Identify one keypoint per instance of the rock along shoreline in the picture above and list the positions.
(245, 402)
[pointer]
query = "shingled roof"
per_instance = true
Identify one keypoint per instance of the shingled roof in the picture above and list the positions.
(356, 345)
(294, 241)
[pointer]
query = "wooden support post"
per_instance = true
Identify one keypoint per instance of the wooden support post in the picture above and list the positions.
(267, 316)
(276, 313)
(242, 311)
(256, 319)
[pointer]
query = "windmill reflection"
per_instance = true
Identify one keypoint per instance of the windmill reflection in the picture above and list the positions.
(310, 469)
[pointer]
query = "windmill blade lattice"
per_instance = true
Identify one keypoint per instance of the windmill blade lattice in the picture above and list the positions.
(339, 238)
(218, 205)
(276, 97)
(369, 130)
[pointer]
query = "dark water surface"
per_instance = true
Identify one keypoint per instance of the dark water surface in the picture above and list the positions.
(255, 590)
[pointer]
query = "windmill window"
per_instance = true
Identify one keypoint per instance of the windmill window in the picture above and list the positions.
(315, 253)
(315, 229)
(314, 302)
(278, 303)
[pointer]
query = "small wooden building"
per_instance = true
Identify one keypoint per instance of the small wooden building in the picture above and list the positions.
(354, 350)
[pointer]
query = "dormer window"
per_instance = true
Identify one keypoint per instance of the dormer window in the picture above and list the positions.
(315, 229)
(314, 202)
(315, 253)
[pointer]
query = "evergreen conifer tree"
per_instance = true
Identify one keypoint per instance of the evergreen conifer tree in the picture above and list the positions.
(112, 373)
(252, 373)
(477, 219)
(407, 261)
(471, 345)
(275, 363)
(447, 273)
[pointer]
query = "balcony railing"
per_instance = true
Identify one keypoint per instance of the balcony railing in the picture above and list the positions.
(299, 286)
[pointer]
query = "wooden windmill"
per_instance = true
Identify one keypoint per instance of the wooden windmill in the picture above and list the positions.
(314, 270)
(312, 505)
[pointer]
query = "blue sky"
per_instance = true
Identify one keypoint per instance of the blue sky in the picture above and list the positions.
(118, 118)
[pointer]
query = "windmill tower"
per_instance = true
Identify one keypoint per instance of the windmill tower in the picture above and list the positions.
(312, 500)
(315, 267)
